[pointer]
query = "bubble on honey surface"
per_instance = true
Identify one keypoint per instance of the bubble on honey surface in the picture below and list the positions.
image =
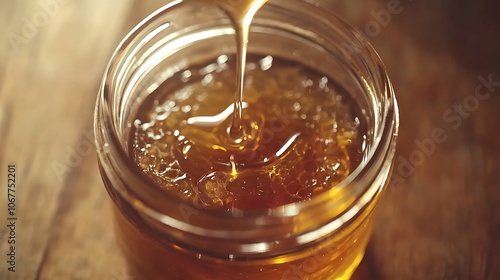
(307, 83)
(213, 191)
(207, 79)
(186, 75)
(266, 63)
(222, 60)
(323, 83)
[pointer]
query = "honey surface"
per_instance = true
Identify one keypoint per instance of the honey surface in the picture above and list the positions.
(301, 134)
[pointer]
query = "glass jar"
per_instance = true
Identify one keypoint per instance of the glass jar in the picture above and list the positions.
(165, 238)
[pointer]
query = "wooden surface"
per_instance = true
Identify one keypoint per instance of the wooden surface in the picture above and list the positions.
(439, 220)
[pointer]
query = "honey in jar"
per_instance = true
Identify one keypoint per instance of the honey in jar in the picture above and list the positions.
(286, 193)
(301, 135)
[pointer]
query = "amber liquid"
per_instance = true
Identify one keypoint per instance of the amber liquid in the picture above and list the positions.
(292, 135)
(301, 135)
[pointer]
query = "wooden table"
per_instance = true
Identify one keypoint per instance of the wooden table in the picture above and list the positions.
(440, 218)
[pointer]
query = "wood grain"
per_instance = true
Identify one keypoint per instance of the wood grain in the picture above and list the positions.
(442, 222)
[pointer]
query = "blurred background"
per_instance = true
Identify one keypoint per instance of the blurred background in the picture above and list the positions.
(439, 219)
